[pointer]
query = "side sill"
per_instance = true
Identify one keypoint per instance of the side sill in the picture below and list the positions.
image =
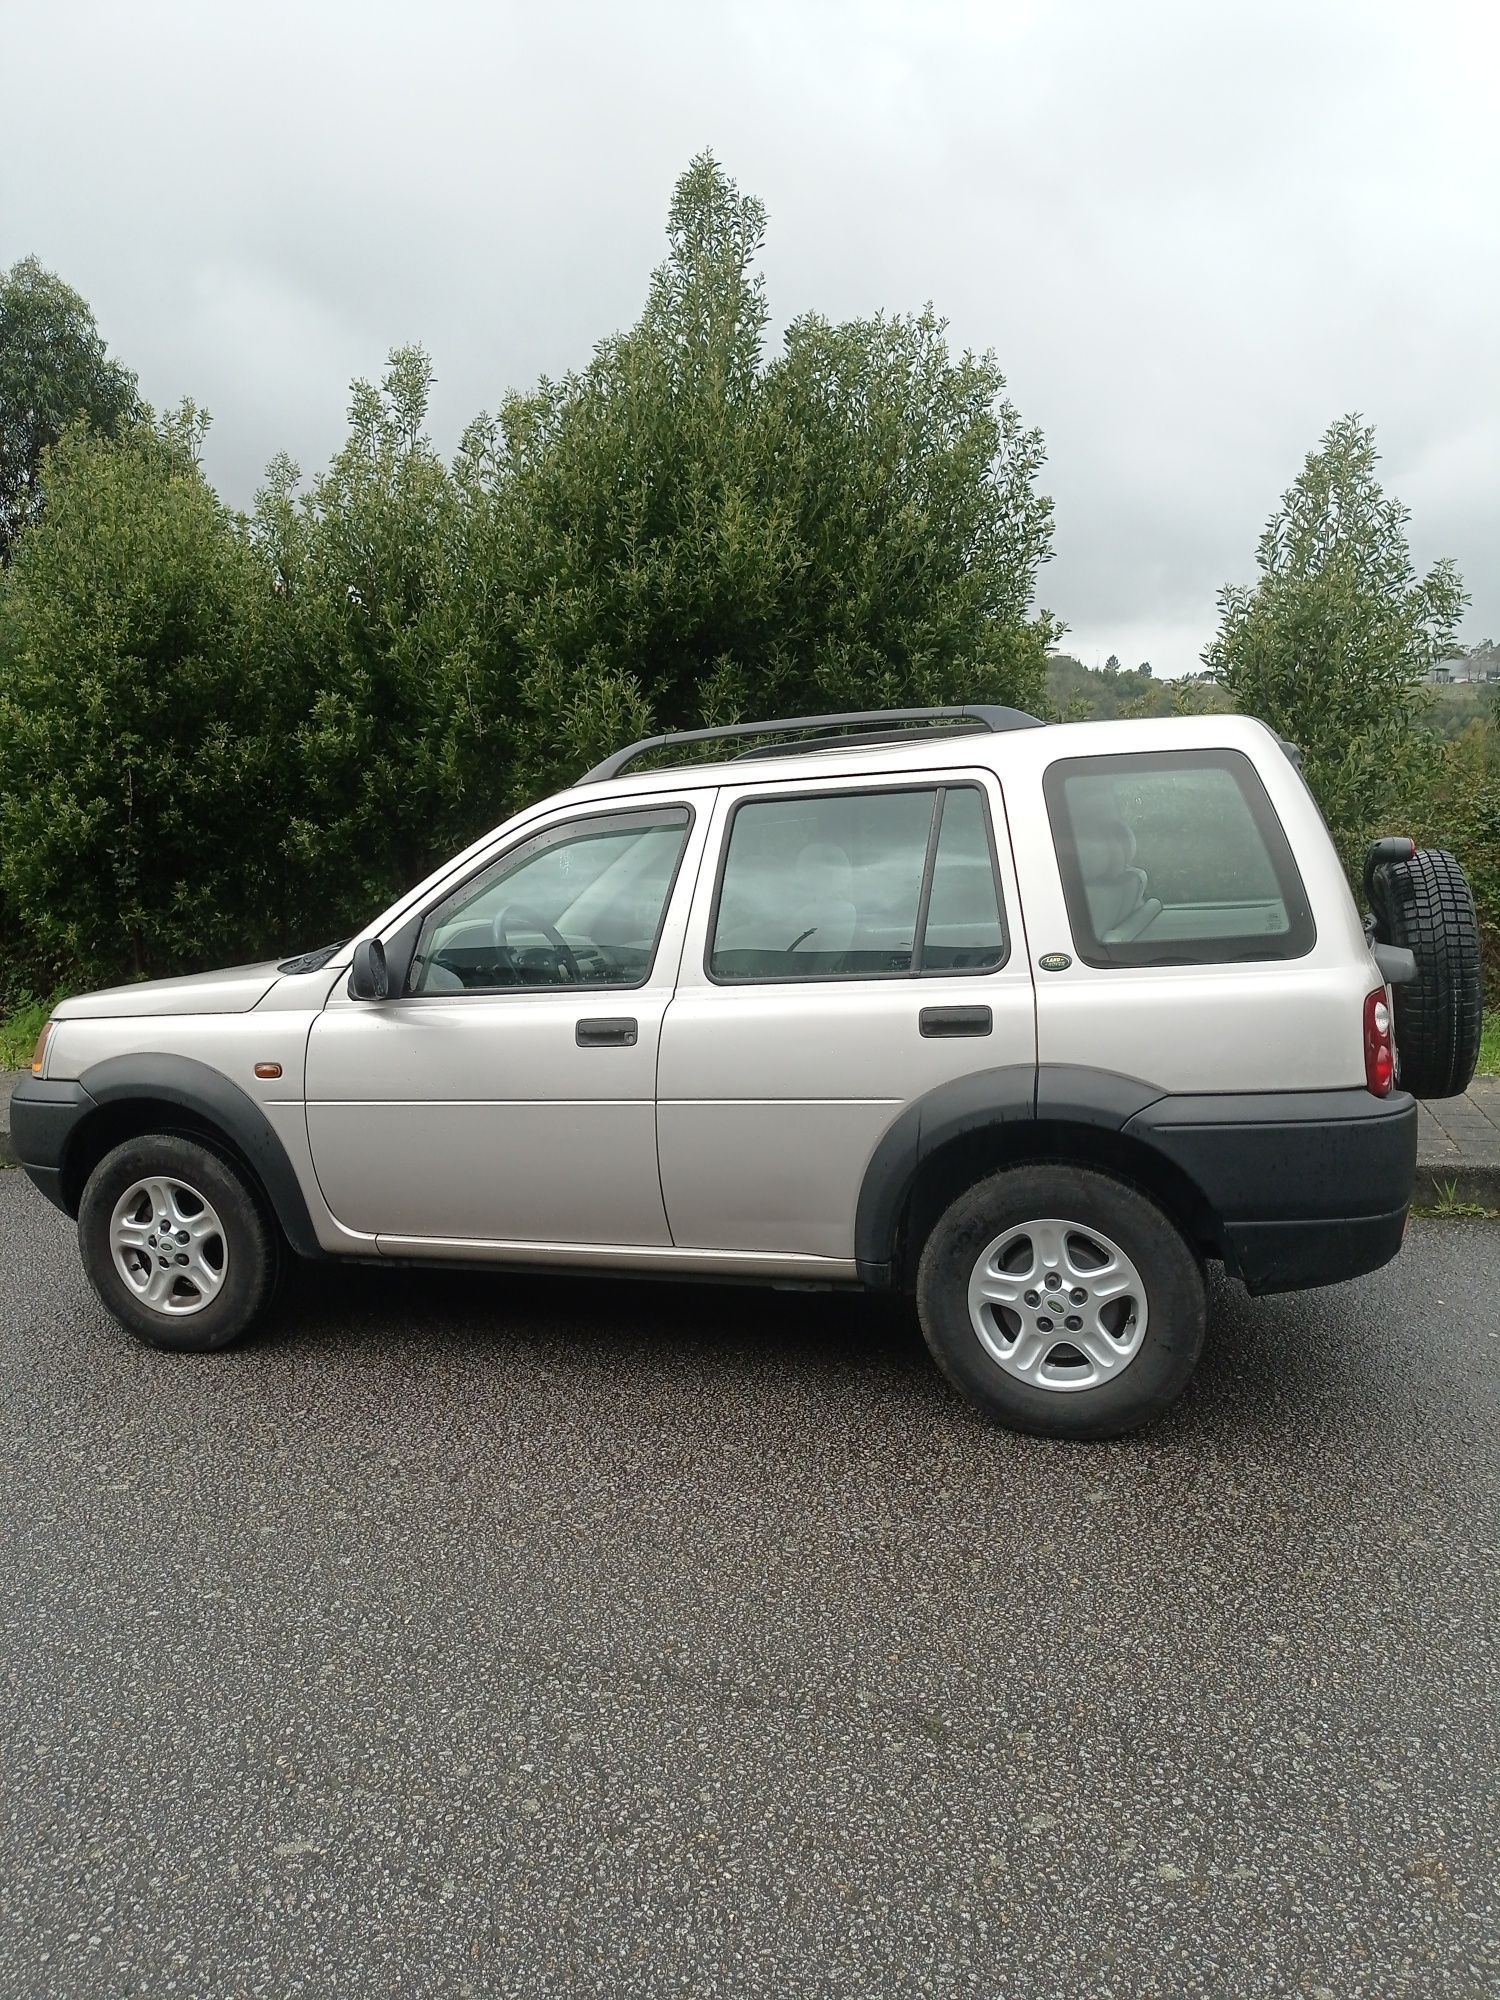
(666, 1259)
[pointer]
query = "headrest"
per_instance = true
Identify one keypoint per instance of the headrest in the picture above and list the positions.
(824, 871)
(1106, 846)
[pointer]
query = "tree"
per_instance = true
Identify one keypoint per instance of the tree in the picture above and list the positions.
(1333, 643)
(140, 795)
(369, 629)
(685, 531)
(218, 734)
(54, 371)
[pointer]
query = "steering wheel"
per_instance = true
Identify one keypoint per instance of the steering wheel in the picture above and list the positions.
(529, 920)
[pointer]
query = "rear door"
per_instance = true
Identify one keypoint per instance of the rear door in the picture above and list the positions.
(853, 944)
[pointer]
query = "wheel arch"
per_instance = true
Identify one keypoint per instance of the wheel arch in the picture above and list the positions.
(135, 1094)
(964, 1131)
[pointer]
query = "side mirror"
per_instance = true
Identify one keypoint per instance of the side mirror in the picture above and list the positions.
(368, 979)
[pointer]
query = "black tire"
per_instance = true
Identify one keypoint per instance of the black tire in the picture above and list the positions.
(250, 1242)
(1425, 905)
(1169, 1271)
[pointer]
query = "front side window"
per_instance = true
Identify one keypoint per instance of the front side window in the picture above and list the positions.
(577, 904)
(858, 885)
(1175, 858)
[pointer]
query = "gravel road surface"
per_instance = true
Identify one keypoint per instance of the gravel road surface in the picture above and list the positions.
(467, 1635)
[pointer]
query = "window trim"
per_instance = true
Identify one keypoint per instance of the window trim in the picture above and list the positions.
(568, 990)
(939, 787)
(1297, 940)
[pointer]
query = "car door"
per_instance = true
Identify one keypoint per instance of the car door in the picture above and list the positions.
(855, 944)
(506, 1095)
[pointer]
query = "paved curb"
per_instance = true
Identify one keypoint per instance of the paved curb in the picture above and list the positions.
(1457, 1160)
(1443, 1183)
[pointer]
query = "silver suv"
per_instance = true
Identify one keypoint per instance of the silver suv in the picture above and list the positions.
(1030, 1020)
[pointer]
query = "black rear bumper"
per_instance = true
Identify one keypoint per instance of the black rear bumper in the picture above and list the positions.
(1308, 1187)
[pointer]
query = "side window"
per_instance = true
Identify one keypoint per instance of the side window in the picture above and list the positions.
(577, 904)
(964, 931)
(1175, 858)
(837, 885)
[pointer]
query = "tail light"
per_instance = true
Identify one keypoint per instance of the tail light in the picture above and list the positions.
(1380, 1049)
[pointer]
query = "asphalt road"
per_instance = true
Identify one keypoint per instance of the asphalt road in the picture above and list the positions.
(473, 1636)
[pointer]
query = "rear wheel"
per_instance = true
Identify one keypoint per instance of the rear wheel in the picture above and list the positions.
(177, 1243)
(1060, 1301)
(1425, 905)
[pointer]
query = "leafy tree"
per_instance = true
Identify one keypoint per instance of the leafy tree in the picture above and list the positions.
(217, 734)
(1076, 693)
(687, 531)
(1333, 643)
(369, 633)
(138, 740)
(54, 371)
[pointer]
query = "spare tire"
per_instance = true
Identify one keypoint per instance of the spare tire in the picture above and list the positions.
(1425, 905)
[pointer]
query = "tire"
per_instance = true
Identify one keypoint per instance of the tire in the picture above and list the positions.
(171, 1299)
(1425, 905)
(1149, 1346)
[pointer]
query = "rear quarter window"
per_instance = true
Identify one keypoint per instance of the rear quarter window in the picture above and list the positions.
(1175, 858)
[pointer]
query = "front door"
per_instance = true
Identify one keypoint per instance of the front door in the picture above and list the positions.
(862, 945)
(506, 1096)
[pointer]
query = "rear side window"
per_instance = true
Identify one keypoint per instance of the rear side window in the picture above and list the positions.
(1175, 858)
(858, 885)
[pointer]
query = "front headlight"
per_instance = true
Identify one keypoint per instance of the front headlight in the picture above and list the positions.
(39, 1053)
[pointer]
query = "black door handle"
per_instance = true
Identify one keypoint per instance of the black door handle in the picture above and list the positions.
(955, 1021)
(618, 1033)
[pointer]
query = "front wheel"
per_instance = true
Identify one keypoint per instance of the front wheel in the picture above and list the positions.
(177, 1243)
(1061, 1301)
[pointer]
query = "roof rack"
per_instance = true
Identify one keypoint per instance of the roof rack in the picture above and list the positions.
(828, 732)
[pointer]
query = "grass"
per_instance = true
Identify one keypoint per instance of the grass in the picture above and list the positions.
(1489, 1046)
(20, 1028)
(1448, 1207)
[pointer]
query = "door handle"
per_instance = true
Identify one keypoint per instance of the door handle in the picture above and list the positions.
(955, 1021)
(619, 1032)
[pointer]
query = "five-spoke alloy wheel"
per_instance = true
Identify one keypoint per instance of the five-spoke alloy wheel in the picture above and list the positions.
(169, 1245)
(1063, 1301)
(1058, 1305)
(177, 1242)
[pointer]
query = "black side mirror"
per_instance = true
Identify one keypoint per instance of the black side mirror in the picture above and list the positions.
(368, 979)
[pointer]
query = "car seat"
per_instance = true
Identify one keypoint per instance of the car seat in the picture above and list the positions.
(1119, 907)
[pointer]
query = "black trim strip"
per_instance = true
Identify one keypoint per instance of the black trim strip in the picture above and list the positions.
(924, 894)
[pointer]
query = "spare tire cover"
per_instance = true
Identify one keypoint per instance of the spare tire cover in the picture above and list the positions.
(1425, 905)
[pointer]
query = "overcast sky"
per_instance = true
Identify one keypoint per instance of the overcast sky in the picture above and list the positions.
(1193, 231)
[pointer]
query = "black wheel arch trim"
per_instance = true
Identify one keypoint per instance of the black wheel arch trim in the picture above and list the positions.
(1015, 1094)
(49, 1115)
(1254, 1158)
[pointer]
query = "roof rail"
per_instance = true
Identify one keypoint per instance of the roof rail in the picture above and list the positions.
(828, 732)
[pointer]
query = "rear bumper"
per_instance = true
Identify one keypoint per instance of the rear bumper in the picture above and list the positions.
(1309, 1187)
